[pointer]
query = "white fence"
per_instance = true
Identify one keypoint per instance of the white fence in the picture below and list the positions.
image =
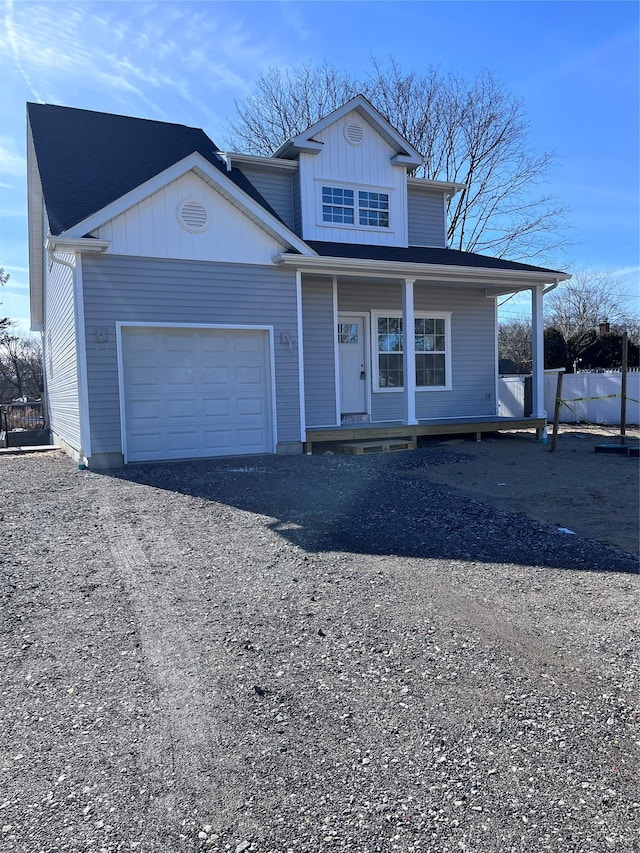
(592, 397)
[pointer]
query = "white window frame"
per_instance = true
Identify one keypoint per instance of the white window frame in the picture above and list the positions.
(356, 189)
(419, 315)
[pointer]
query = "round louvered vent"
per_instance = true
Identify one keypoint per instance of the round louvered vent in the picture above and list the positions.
(193, 215)
(353, 133)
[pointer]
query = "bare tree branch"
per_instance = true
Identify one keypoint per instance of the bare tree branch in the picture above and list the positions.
(472, 132)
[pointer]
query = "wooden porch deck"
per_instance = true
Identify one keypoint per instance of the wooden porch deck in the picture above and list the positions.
(436, 426)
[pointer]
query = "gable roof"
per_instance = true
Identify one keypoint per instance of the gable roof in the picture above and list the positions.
(87, 160)
(406, 154)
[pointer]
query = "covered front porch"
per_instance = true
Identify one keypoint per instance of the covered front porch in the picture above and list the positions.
(411, 432)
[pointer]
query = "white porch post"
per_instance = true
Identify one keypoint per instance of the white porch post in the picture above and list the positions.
(537, 341)
(409, 350)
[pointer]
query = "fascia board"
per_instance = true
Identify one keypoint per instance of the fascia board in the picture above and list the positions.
(35, 218)
(510, 280)
(209, 173)
(267, 162)
(426, 184)
(85, 245)
(406, 160)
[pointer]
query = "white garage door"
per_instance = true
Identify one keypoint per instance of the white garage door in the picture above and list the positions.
(192, 393)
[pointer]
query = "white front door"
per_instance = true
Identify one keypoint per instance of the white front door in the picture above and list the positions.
(351, 347)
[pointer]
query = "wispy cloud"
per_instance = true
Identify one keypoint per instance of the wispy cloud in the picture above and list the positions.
(10, 162)
(13, 38)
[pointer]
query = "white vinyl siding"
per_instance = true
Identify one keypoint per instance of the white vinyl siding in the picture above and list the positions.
(60, 353)
(151, 228)
(145, 290)
(366, 167)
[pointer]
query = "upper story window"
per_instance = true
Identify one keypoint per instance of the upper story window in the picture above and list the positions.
(343, 206)
(373, 209)
(338, 205)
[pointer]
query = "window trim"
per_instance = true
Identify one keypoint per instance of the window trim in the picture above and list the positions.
(418, 315)
(323, 183)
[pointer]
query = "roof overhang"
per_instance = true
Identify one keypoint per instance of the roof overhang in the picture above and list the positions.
(82, 245)
(233, 157)
(448, 187)
(494, 282)
(215, 178)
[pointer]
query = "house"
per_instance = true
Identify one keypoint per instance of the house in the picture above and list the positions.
(199, 303)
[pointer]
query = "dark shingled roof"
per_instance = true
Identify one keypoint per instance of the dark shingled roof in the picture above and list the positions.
(420, 255)
(89, 159)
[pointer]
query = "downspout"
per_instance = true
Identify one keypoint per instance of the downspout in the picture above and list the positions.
(551, 287)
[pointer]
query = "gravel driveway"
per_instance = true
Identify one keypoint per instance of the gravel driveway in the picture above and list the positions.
(308, 654)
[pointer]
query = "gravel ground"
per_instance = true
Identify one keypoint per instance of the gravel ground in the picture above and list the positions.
(308, 654)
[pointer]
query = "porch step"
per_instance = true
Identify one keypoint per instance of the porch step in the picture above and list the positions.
(358, 448)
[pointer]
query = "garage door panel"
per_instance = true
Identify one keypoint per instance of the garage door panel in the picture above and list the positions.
(170, 410)
(249, 375)
(216, 375)
(144, 376)
(250, 406)
(145, 410)
(214, 407)
(185, 408)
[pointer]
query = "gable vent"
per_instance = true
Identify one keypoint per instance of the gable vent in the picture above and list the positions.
(353, 133)
(193, 215)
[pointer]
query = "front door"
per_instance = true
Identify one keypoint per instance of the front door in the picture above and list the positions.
(351, 340)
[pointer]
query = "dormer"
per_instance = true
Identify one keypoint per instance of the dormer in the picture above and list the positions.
(351, 183)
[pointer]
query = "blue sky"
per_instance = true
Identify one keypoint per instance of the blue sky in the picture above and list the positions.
(574, 64)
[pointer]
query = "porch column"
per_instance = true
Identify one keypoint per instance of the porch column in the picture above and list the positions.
(409, 349)
(537, 345)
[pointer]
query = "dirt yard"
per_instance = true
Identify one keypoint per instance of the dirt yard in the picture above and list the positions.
(319, 653)
(593, 494)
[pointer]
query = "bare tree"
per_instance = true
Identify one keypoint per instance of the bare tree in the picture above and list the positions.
(590, 297)
(20, 367)
(5, 322)
(285, 104)
(514, 342)
(471, 132)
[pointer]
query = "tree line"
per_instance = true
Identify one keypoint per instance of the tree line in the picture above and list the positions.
(585, 319)
(20, 361)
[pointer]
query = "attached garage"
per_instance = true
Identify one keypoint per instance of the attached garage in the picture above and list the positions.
(190, 392)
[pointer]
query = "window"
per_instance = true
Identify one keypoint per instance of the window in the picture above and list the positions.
(430, 352)
(339, 207)
(373, 209)
(347, 333)
(389, 348)
(432, 348)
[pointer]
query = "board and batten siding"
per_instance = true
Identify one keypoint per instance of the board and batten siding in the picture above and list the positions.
(427, 218)
(472, 347)
(151, 228)
(276, 187)
(365, 166)
(319, 351)
(149, 290)
(60, 352)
